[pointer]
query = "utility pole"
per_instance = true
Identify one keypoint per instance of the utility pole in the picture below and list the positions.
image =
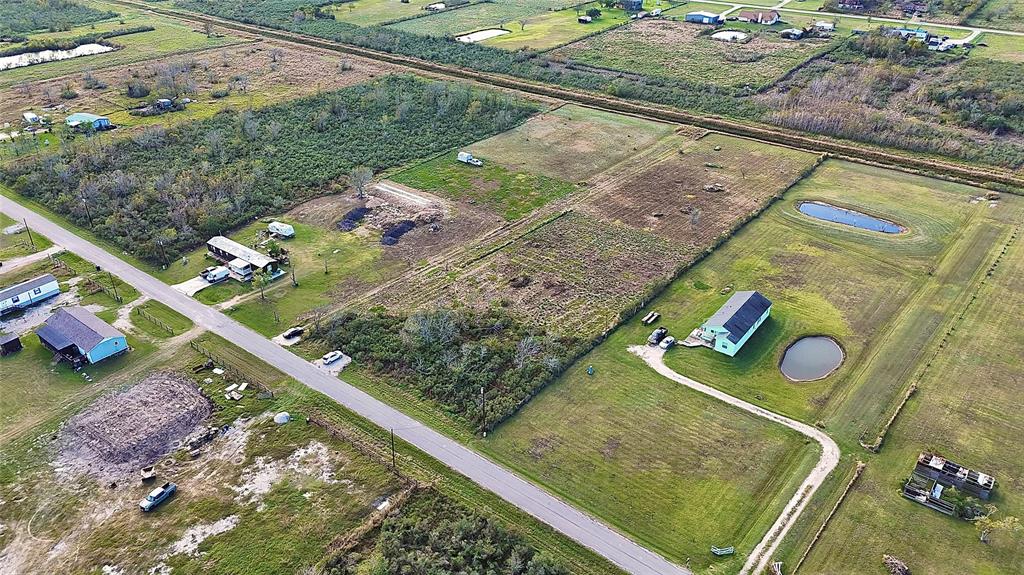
(114, 287)
(325, 263)
(294, 283)
(394, 461)
(163, 253)
(86, 205)
(29, 230)
(483, 407)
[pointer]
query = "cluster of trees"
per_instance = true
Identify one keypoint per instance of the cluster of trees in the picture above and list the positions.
(851, 94)
(449, 356)
(984, 94)
(72, 43)
(432, 534)
(19, 17)
(164, 191)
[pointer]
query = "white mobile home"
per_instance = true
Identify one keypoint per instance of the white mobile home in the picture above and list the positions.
(281, 229)
(27, 293)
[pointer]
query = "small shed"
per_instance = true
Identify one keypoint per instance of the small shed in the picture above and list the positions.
(9, 343)
(85, 121)
(703, 18)
(824, 26)
(79, 336)
(30, 118)
(791, 34)
(281, 229)
(584, 19)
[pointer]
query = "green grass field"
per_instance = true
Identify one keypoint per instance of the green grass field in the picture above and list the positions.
(968, 408)
(170, 37)
(501, 14)
(374, 12)
(881, 296)
(511, 194)
(1000, 14)
(550, 29)
(571, 143)
(1000, 47)
(676, 470)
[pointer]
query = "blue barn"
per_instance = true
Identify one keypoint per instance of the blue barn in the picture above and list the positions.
(734, 323)
(703, 18)
(80, 337)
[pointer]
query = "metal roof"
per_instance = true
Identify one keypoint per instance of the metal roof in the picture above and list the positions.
(239, 251)
(7, 337)
(738, 314)
(79, 117)
(27, 285)
(76, 325)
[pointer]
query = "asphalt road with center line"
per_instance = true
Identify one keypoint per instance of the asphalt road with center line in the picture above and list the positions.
(575, 524)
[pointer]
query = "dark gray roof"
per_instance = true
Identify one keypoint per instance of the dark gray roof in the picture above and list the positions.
(739, 313)
(25, 286)
(76, 325)
(7, 337)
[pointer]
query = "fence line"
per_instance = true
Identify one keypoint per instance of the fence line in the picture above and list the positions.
(140, 311)
(229, 370)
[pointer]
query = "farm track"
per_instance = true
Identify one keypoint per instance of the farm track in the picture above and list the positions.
(983, 176)
(757, 561)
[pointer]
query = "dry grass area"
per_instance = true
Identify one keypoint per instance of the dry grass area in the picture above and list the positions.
(255, 74)
(695, 193)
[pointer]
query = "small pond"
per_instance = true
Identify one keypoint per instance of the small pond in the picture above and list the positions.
(811, 358)
(30, 58)
(828, 212)
(481, 35)
(729, 36)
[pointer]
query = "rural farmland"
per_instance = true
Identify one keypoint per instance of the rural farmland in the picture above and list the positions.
(529, 287)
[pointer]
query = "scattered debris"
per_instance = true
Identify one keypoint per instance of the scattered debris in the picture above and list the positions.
(714, 187)
(125, 431)
(896, 567)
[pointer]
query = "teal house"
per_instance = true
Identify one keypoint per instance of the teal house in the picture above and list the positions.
(75, 334)
(734, 323)
(85, 121)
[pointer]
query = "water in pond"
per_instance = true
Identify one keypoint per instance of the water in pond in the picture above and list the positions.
(811, 358)
(481, 35)
(831, 213)
(30, 58)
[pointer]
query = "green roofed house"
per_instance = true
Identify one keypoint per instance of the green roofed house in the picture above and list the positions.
(734, 323)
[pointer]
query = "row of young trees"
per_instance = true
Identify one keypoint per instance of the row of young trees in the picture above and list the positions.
(449, 356)
(161, 192)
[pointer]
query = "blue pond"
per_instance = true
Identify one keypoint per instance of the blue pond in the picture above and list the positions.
(831, 213)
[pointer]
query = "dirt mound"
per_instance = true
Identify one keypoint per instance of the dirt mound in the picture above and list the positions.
(124, 431)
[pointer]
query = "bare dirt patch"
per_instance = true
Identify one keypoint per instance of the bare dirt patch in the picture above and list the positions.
(122, 432)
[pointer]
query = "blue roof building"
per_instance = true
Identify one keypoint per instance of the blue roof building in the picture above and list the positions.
(81, 337)
(83, 120)
(734, 323)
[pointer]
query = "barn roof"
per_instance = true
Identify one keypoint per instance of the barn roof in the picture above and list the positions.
(26, 285)
(738, 314)
(76, 325)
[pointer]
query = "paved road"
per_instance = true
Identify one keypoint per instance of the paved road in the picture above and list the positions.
(574, 523)
(762, 553)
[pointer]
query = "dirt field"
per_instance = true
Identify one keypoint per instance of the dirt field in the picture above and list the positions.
(123, 432)
(256, 74)
(699, 191)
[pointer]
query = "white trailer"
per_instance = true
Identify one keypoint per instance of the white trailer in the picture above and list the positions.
(467, 158)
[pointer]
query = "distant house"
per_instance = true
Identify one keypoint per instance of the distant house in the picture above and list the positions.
(85, 121)
(703, 18)
(29, 292)
(823, 26)
(855, 5)
(30, 118)
(163, 104)
(766, 17)
(791, 34)
(734, 323)
(913, 6)
(241, 260)
(80, 337)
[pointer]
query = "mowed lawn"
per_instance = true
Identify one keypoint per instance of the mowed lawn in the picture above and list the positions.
(880, 296)
(970, 408)
(471, 18)
(571, 143)
(373, 12)
(551, 29)
(674, 469)
(511, 194)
